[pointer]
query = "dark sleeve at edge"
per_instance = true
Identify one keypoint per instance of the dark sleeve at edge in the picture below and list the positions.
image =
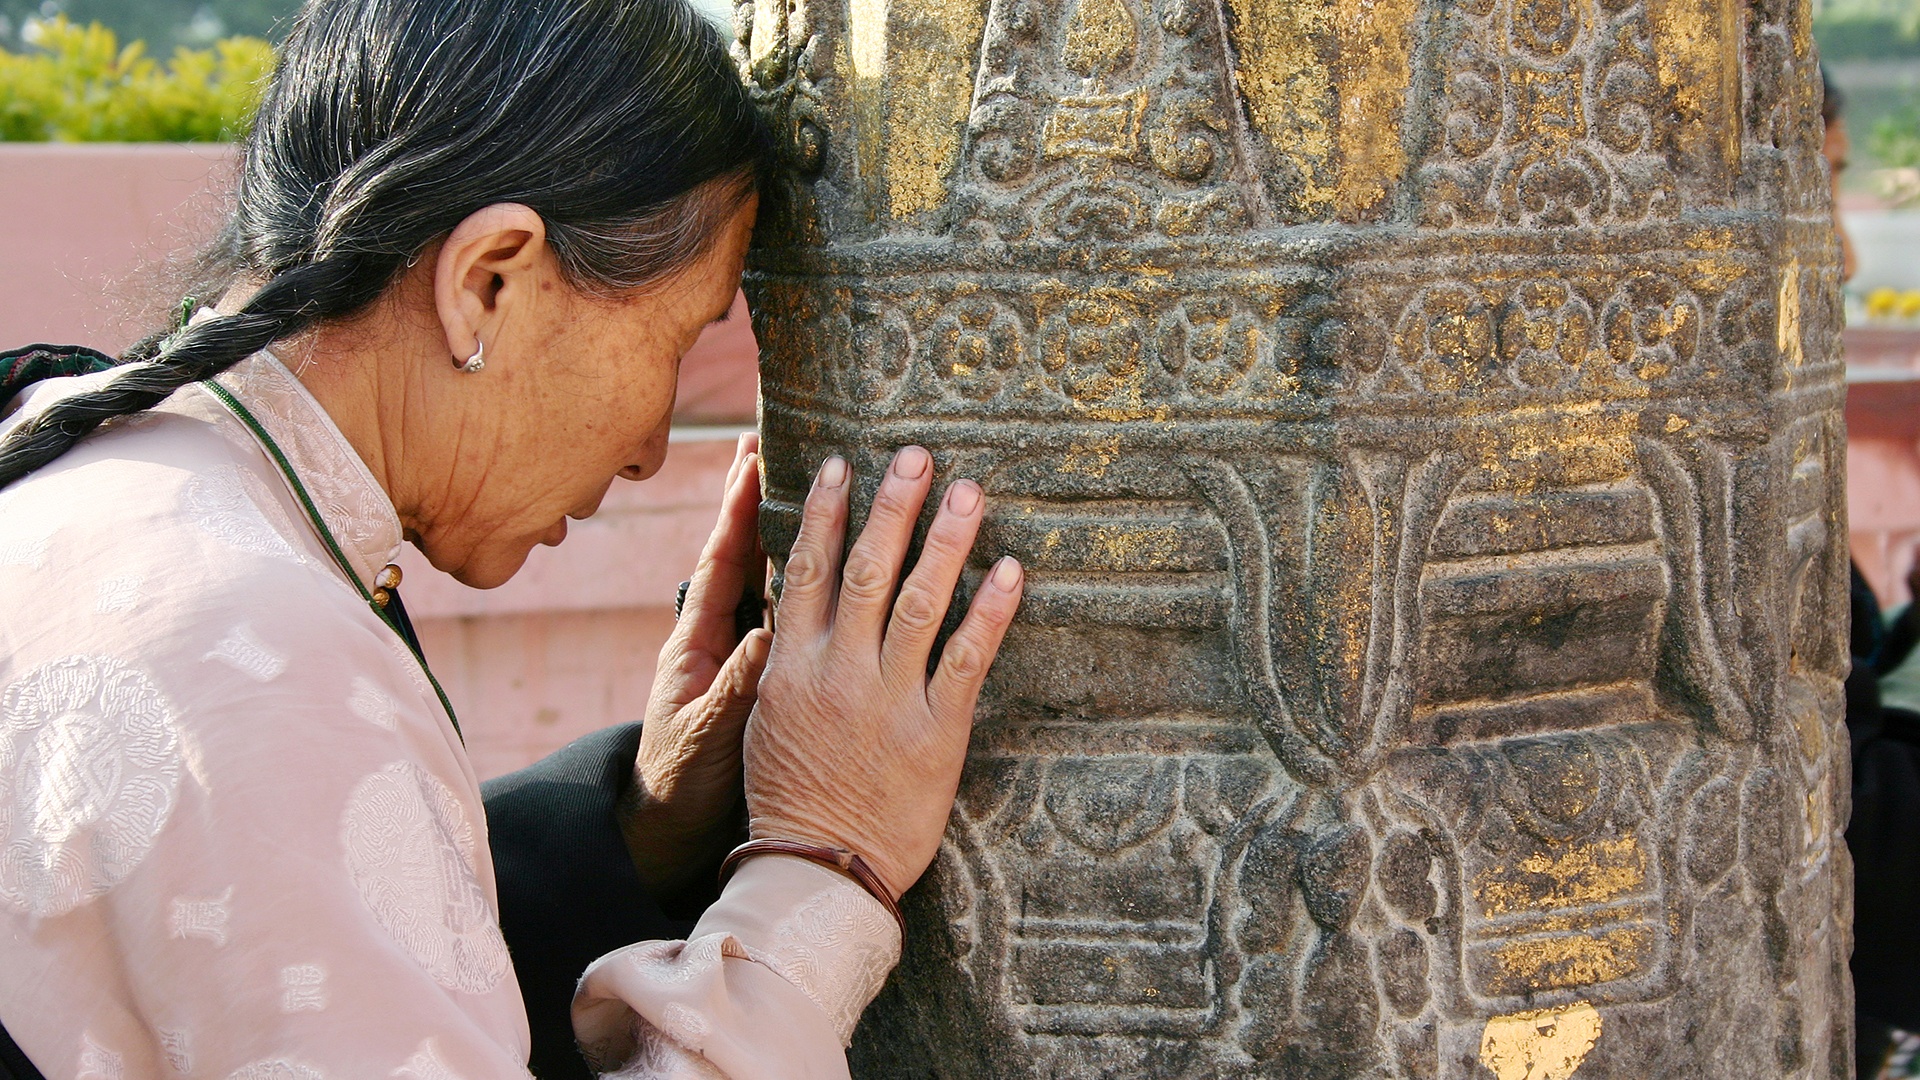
(568, 890)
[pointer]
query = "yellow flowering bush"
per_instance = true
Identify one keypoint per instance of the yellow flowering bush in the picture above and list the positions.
(79, 84)
(1887, 303)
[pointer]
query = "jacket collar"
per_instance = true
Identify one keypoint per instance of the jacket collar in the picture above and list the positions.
(351, 502)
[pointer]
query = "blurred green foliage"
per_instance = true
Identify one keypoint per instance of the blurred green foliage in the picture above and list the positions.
(74, 83)
(1895, 139)
(162, 24)
(1868, 37)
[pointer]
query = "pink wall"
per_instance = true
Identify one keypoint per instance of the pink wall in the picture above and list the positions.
(568, 646)
(88, 231)
(1883, 456)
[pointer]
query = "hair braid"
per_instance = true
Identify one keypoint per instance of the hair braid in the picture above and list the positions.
(290, 302)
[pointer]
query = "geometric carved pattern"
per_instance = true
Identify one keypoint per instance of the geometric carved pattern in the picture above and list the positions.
(1418, 419)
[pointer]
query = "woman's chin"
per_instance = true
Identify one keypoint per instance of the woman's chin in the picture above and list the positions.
(490, 569)
(489, 566)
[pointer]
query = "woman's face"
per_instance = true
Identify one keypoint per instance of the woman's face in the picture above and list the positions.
(576, 391)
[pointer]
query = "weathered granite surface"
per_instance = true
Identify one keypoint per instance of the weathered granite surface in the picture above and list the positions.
(1421, 421)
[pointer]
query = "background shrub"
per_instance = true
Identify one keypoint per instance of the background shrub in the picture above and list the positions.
(73, 83)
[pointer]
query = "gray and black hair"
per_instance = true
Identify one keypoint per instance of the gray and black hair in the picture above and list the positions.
(621, 122)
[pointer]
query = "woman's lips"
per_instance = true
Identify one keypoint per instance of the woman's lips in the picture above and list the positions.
(555, 534)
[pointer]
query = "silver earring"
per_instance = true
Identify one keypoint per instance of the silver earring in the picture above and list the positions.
(478, 360)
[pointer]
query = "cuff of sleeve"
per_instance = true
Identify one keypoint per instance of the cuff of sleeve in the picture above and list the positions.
(815, 927)
(768, 985)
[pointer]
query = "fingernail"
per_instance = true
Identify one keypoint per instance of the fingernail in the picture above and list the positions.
(910, 463)
(963, 497)
(833, 472)
(1006, 574)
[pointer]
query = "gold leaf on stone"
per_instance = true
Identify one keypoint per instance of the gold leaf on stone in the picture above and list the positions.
(1787, 334)
(1572, 876)
(1101, 38)
(913, 69)
(1288, 89)
(1375, 64)
(1696, 46)
(1544, 1044)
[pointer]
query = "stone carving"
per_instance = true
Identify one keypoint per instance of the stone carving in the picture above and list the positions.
(1420, 422)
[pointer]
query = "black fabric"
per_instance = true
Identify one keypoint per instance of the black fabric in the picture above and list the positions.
(1884, 839)
(401, 622)
(568, 890)
(13, 1061)
(1867, 633)
(1883, 836)
(22, 367)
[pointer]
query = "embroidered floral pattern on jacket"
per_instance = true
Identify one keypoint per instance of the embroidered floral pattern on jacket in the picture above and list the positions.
(243, 651)
(89, 761)
(410, 849)
(372, 704)
(177, 1047)
(837, 948)
(220, 504)
(117, 595)
(24, 532)
(97, 1062)
(203, 917)
(425, 1064)
(303, 988)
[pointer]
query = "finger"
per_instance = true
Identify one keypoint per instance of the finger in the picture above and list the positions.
(726, 566)
(955, 686)
(813, 565)
(873, 566)
(928, 591)
(727, 705)
(747, 443)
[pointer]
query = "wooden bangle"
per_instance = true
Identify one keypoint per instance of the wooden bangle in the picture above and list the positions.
(839, 859)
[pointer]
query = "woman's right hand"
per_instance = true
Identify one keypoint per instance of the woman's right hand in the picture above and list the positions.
(852, 745)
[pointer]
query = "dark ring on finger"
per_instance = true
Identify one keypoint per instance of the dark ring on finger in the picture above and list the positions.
(680, 598)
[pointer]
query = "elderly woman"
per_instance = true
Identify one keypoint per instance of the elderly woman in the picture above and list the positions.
(239, 836)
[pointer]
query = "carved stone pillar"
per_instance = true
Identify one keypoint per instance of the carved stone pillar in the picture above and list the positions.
(1421, 421)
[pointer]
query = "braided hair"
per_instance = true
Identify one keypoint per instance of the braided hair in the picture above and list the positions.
(621, 122)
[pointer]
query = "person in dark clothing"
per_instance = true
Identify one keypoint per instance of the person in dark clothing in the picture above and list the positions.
(1883, 728)
(1883, 835)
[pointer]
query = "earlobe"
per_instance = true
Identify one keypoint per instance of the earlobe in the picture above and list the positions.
(477, 270)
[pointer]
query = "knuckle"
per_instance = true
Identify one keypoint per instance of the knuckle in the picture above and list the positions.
(917, 610)
(963, 660)
(865, 577)
(805, 569)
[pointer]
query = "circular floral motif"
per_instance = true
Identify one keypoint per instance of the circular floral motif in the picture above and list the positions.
(410, 850)
(89, 761)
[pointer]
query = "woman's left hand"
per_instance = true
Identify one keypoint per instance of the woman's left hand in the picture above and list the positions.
(687, 780)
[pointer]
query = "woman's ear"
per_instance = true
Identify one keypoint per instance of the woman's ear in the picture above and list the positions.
(486, 265)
